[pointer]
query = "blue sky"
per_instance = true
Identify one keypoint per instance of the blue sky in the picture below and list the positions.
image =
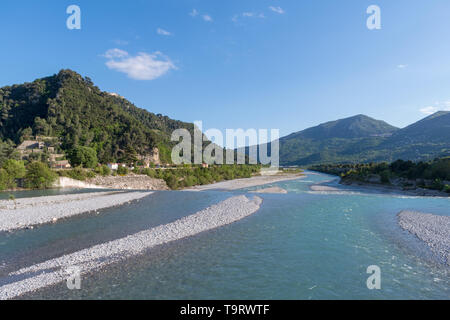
(286, 64)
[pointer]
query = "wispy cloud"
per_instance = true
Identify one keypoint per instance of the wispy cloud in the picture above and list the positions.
(402, 66)
(163, 32)
(143, 66)
(277, 9)
(193, 13)
(244, 15)
(438, 106)
(207, 18)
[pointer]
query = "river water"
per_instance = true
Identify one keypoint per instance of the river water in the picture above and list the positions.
(300, 245)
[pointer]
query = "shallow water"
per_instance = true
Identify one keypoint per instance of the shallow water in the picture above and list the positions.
(300, 245)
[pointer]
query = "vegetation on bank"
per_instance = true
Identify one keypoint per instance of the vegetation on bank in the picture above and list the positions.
(35, 175)
(433, 175)
(175, 178)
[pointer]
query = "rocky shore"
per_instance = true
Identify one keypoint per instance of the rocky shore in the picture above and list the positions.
(29, 212)
(248, 182)
(432, 229)
(273, 190)
(397, 188)
(54, 271)
(129, 182)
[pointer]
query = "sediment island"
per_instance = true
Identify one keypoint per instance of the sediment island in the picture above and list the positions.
(55, 270)
(29, 212)
(432, 229)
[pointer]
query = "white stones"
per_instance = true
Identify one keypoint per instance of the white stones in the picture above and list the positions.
(53, 271)
(35, 211)
(432, 229)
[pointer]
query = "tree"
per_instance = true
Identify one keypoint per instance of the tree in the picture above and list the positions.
(7, 151)
(83, 156)
(15, 169)
(4, 179)
(39, 176)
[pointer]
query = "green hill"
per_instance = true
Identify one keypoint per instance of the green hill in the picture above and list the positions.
(363, 139)
(72, 108)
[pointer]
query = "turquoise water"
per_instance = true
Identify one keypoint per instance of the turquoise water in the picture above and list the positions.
(300, 245)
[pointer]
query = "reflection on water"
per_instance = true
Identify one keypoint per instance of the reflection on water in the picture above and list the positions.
(300, 245)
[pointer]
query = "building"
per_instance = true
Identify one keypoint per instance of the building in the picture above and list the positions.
(63, 164)
(30, 145)
(113, 166)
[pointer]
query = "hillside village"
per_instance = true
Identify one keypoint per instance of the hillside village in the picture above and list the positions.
(48, 149)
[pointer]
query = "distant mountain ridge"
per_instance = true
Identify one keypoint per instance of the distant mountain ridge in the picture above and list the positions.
(354, 127)
(363, 139)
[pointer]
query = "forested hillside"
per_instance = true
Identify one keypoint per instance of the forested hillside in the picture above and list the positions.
(73, 109)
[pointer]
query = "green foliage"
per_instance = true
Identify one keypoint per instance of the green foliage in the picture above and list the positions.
(39, 176)
(83, 156)
(15, 168)
(73, 109)
(77, 173)
(122, 171)
(7, 151)
(103, 170)
(190, 176)
(4, 179)
(431, 174)
(363, 140)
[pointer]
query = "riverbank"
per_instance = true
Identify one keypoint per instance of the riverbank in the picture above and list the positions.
(394, 188)
(432, 229)
(29, 212)
(247, 182)
(54, 271)
(129, 182)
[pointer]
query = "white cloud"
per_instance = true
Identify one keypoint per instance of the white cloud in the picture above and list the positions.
(236, 17)
(402, 66)
(277, 9)
(207, 18)
(163, 32)
(115, 53)
(143, 66)
(193, 13)
(438, 106)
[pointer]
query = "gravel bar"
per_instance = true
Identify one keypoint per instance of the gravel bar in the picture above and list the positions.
(432, 229)
(54, 271)
(28, 212)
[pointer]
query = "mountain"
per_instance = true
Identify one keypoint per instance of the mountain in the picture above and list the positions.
(363, 139)
(336, 141)
(354, 127)
(72, 109)
(425, 139)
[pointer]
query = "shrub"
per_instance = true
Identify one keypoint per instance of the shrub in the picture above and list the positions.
(122, 171)
(15, 168)
(4, 179)
(83, 156)
(39, 176)
(103, 170)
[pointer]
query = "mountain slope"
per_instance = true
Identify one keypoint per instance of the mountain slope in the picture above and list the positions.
(425, 139)
(363, 139)
(72, 108)
(354, 127)
(335, 141)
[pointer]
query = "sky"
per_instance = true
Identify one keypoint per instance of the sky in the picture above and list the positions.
(262, 64)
